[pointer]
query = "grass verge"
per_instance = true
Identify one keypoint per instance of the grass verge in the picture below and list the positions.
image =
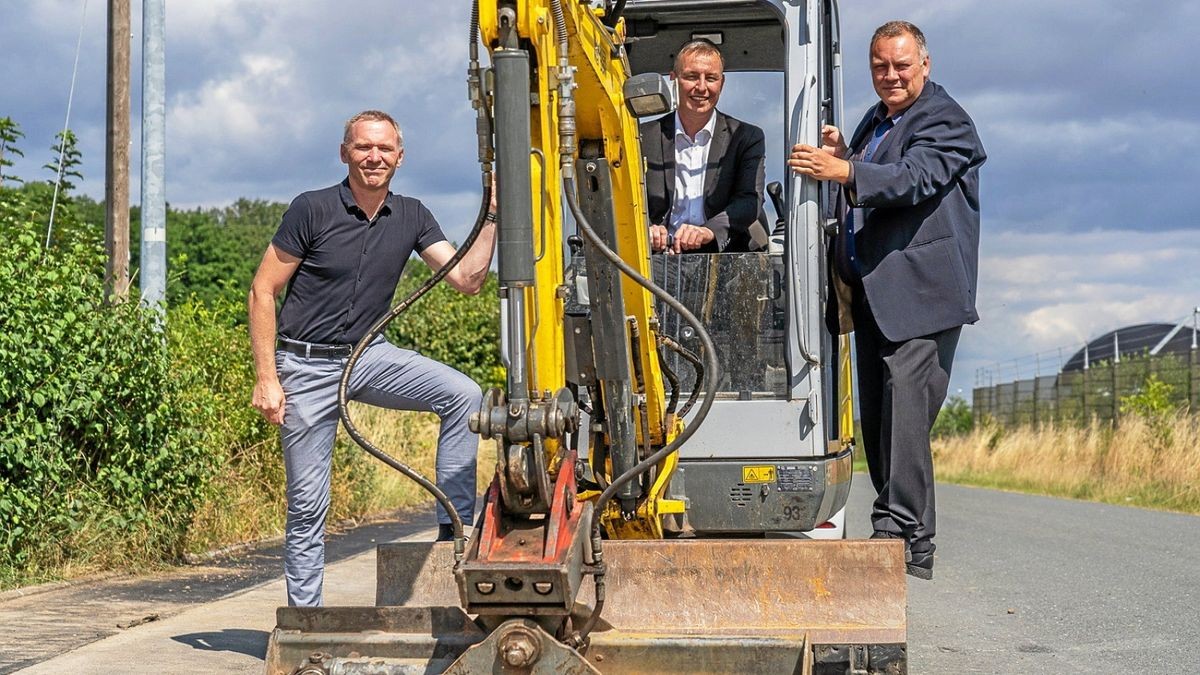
(245, 501)
(1152, 463)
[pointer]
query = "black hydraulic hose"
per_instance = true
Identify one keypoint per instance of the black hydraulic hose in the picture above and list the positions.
(614, 15)
(672, 379)
(710, 353)
(691, 358)
(710, 383)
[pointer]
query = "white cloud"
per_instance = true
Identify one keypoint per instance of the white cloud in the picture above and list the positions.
(242, 110)
(1041, 296)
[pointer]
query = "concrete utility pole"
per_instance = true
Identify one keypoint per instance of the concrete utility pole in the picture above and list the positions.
(116, 146)
(154, 196)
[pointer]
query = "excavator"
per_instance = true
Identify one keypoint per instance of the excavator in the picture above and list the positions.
(623, 531)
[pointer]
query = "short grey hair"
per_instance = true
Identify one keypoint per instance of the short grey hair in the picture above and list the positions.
(894, 29)
(372, 116)
(698, 46)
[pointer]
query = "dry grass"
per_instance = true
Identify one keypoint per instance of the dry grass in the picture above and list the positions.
(1153, 463)
(407, 436)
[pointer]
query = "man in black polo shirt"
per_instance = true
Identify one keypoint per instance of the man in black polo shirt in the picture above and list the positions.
(340, 251)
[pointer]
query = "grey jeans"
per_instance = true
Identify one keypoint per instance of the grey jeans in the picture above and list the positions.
(385, 376)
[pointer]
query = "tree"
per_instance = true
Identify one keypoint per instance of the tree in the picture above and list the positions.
(215, 251)
(10, 131)
(954, 419)
(66, 152)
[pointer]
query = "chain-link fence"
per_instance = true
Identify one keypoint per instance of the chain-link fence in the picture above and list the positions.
(1092, 392)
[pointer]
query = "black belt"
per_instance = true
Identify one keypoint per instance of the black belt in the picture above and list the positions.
(314, 351)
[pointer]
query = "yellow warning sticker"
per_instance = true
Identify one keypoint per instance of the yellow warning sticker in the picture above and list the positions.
(758, 474)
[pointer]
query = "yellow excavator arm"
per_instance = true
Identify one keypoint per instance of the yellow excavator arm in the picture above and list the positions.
(559, 72)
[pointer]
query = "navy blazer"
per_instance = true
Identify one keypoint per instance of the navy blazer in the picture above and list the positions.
(733, 179)
(917, 218)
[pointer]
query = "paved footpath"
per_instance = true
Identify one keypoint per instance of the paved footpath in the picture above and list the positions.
(226, 636)
(208, 618)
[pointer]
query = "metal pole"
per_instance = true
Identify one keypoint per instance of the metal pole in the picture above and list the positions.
(116, 146)
(1116, 404)
(154, 134)
(1191, 385)
(1036, 391)
(1083, 403)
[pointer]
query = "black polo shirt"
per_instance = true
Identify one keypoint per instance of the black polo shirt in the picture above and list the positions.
(349, 265)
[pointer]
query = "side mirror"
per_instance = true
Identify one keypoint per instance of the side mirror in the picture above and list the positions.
(647, 94)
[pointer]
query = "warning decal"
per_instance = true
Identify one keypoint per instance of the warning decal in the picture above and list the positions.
(758, 474)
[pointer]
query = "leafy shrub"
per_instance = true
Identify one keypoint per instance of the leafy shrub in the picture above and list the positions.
(213, 376)
(1154, 402)
(1154, 399)
(86, 437)
(954, 419)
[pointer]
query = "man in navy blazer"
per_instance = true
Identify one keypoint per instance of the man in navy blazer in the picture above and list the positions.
(903, 270)
(705, 169)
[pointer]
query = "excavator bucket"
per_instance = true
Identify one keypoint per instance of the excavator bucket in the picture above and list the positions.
(675, 606)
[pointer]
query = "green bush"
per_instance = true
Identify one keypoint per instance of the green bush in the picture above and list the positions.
(954, 419)
(1155, 403)
(87, 436)
(213, 376)
(114, 434)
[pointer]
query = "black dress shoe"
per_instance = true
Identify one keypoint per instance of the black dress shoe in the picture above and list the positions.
(921, 564)
(445, 532)
(881, 534)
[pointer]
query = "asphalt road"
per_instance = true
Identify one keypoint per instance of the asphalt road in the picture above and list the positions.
(1022, 585)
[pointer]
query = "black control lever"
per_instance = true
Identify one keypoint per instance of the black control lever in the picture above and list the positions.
(775, 190)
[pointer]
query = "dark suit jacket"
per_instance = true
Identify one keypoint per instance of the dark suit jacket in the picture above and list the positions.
(917, 218)
(733, 179)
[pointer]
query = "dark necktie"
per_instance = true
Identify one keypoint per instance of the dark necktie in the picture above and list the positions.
(847, 260)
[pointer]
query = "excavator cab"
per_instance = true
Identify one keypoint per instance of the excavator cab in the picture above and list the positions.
(626, 530)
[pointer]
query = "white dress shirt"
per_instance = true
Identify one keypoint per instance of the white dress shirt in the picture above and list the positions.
(691, 156)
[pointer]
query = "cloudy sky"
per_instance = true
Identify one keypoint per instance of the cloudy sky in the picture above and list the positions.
(1087, 111)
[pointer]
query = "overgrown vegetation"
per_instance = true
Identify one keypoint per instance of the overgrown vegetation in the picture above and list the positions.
(1151, 459)
(94, 440)
(954, 419)
(125, 443)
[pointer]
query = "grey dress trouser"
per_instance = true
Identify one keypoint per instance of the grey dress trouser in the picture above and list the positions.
(385, 376)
